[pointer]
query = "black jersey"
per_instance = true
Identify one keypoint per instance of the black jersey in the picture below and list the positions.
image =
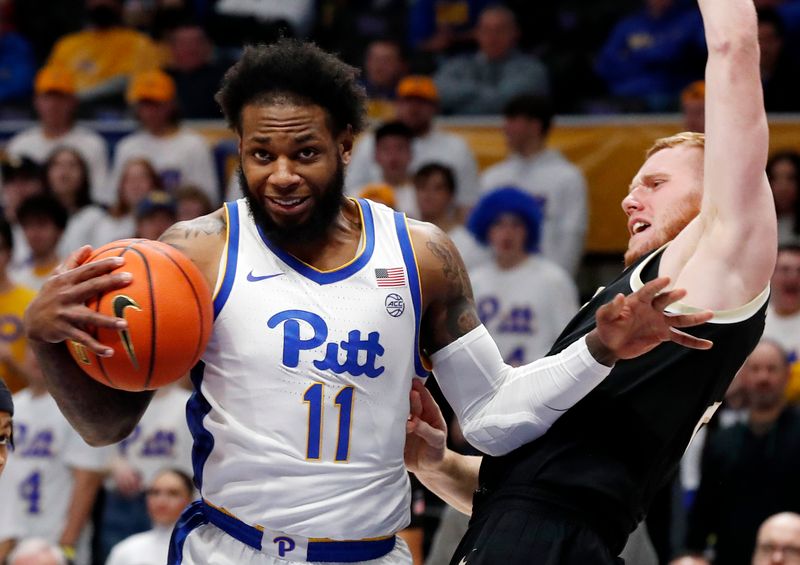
(605, 458)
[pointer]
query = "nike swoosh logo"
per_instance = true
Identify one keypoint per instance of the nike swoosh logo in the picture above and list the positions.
(253, 278)
(120, 304)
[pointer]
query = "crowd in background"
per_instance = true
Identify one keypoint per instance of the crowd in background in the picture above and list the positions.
(520, 225)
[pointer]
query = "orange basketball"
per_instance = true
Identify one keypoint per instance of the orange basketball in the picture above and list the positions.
(169, 313)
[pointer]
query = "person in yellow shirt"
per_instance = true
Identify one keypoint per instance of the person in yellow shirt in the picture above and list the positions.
(105, 54)
(14, 299)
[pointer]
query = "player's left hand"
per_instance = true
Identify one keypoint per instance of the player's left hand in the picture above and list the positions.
(629, 326)
(426, 431)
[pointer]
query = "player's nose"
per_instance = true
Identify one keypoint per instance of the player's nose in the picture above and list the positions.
(631, 203)
(283, 175)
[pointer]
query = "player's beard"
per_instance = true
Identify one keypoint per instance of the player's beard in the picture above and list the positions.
(673, 225)
(328, 202)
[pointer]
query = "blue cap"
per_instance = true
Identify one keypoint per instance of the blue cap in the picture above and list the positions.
(507, 200)
(156, 201)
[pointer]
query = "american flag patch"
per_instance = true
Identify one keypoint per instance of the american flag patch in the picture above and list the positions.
(394, 276)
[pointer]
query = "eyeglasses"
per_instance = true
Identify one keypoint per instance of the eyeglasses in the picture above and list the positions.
(791, 553)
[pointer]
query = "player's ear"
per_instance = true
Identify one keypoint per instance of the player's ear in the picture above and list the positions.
(344, 142)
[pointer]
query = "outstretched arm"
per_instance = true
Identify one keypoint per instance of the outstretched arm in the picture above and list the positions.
(735, 240)
(500, 407)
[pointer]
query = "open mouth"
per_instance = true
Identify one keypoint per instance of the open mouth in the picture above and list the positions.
(639, 227)
(288, 205)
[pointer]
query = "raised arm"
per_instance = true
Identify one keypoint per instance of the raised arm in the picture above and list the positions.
(735, 243)
(500, 407)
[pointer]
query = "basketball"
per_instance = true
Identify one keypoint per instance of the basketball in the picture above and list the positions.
(169, 313)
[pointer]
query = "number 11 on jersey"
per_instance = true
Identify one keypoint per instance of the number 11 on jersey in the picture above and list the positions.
(315, 399)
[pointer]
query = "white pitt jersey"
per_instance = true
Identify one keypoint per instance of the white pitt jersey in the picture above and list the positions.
(39, 478)
(303, 392)
(524, 308)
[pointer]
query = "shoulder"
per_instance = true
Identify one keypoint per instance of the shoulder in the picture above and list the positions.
(85, 135)
(201, 240)
(25, 136)
(441, 268)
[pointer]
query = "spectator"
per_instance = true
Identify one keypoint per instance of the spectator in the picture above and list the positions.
(235, 22)
(544, 173)
(105, 54)
(436, 190)
(17, 66)
(137, 179)
(55, 105)
(417, 105)
(393, 155)
(440, 27)
(14, 299)
(154, 214)
(522, 298)
(196, 74)
(783, 171)
(168, 494)
(67, 178)
(651, 55)
(43, 220)
(749, 470)
(22, 178)
(191, 202)
(778, 540)
(384, 66)
(693, 106)
(179, 154)
(37, 551)
(783, 315)
(779, 73)
(161, 440)
(484, 82)
(51, 482)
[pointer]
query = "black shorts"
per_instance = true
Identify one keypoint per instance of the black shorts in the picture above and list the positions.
(526, 533)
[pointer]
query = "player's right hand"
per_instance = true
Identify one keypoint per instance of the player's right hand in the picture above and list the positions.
(59, 311)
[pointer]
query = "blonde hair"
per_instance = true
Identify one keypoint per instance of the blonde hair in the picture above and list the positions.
(690, 138)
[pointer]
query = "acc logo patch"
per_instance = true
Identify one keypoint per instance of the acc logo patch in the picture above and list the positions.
(395, 305)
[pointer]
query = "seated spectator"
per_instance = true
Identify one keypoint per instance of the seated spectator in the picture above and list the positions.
(557, 184)
(778, 540)
(693, 106)
(384, 66)
(236, 22)
(197, 76)
(783, 172)
(780, 75)
(43, 220)
(783, 314)
(137, 179)
(14, 299)
(651, 55)
(55, 104)
(749, 470)
(179, 154)
(393, 155)
(105, 54)
(417, 106)
(37, 551)
(154, 214)
(17, 66)
(442, 27)
(191, 202)
(67, 178)
(483, 83)
(161, 440)
(522, 298)
(51, 482)
(435, 189)
(22, 178)
(167, 495)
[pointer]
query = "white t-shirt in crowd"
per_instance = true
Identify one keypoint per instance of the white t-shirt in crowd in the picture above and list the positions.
(92, 147)
(82, 228)
(147, 548)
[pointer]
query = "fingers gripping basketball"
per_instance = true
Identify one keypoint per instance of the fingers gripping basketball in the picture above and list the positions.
(168, 310)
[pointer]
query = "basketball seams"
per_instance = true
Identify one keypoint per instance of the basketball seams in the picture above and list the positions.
(198, 304)
(153, 317)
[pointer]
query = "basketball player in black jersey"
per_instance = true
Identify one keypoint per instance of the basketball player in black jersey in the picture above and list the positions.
(699, 211)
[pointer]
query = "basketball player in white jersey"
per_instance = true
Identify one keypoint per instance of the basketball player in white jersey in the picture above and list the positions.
(324, 308)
